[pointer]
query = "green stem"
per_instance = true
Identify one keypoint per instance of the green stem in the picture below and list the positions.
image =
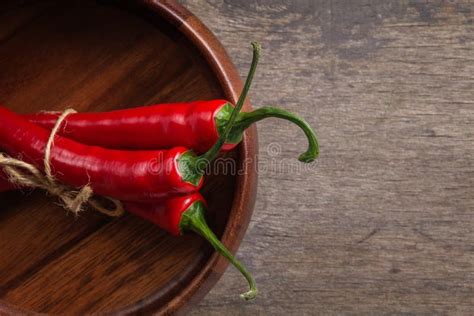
(212, 153)
(193, 219)
(246, 119)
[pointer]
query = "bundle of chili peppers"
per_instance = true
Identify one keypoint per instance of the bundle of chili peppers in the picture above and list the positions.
(112, 152)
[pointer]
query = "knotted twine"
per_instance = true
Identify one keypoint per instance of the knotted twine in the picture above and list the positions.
(24, 174)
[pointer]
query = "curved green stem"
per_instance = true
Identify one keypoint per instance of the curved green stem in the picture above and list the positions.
(246, 119)
(212, 153)
(193, 219)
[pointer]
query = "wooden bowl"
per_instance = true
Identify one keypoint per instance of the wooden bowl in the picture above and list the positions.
(95, 56)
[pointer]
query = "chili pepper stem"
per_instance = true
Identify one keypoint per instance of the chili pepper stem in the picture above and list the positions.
(245, 119)
(195, 166)
(212, 153)
(193, 219)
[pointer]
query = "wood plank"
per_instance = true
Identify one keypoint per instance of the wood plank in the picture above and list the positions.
(382, 223)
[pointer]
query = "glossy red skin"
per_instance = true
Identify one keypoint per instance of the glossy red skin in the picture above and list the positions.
(166, 214)
(191, 125)
(124, 175)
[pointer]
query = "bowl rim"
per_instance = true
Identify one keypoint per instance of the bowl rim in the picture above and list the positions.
(246, 181)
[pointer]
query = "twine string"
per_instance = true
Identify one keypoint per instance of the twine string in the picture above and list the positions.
(23, 174)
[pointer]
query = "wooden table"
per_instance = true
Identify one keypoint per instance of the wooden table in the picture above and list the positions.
(383, 222)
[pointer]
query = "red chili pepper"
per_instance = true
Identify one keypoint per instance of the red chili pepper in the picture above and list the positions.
(190, 125)
(178, 215)
(124, 175)
(195, 125)
(182, 214)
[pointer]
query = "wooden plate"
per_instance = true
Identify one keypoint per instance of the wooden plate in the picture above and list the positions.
(94, 56)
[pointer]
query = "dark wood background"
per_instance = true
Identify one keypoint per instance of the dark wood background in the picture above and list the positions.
(383, 223)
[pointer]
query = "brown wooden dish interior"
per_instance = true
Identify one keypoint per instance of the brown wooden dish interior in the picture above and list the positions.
(97, 56)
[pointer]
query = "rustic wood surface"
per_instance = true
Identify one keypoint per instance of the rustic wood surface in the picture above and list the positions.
(383, 223)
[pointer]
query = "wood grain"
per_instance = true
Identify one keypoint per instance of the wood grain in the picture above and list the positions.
(100, 55)
(383, 223)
